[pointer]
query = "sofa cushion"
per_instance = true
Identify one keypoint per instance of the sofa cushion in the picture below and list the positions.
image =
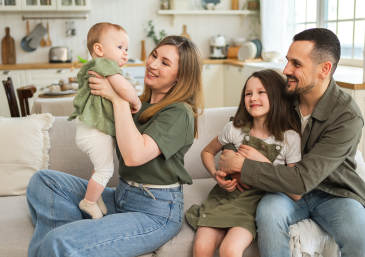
(24, 150)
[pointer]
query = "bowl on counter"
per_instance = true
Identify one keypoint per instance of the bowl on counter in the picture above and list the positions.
(238, 41)
(270, 56)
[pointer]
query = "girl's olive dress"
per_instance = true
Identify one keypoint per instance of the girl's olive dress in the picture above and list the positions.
(223, 209)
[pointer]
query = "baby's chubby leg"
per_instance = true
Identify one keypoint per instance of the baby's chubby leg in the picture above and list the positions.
(207, 240)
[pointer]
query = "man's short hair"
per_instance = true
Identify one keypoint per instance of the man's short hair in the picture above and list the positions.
(326, 45)
(97, 31)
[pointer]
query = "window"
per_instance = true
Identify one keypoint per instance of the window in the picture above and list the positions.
(346, 18)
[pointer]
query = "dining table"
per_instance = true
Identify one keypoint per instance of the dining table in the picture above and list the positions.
(61, 105)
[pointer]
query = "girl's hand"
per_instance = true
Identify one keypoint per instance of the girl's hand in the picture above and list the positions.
(229, 185)
(251, 153)
(101, 86)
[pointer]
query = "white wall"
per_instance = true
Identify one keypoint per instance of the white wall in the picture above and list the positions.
(133, 16)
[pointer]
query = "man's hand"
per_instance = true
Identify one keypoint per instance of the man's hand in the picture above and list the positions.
(229, 185)
(240, 186)
(230, 162)
(251, 153)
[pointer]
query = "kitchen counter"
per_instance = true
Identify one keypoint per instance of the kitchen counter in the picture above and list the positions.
(345, 76)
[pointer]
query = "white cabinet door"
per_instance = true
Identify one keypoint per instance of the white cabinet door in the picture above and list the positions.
(234, 82)
(38, 5)
(18, 78)
(213, 85)
(73, 5)
(10, 5)
(45, 77)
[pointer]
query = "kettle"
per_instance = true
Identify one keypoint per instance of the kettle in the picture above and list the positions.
(218, 47)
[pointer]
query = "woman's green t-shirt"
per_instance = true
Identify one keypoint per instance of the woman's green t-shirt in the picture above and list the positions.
(172, 128)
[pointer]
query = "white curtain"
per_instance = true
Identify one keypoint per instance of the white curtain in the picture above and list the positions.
(276, 31)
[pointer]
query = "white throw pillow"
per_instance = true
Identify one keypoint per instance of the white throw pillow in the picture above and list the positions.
(24, 145)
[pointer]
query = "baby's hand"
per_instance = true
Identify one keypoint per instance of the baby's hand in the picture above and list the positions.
(229, 185)
(136, 108)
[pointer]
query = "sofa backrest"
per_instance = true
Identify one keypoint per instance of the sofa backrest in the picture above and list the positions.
(65, 156)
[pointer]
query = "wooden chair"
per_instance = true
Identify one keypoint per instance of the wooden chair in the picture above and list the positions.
(23, 94)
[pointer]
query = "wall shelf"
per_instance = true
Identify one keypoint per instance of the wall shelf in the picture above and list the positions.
(174, 13)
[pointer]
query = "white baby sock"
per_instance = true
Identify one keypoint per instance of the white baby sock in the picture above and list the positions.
(101, 205)
(91, 208)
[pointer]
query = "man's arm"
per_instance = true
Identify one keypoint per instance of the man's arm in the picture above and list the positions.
(125, 90)
(334, 146)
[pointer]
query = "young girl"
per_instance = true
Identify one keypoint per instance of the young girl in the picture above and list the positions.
(268, 130)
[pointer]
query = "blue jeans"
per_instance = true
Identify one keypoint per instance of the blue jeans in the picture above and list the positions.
(135, 223)
(343, 218)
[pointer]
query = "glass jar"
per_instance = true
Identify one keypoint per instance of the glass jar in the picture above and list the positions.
(165, 5)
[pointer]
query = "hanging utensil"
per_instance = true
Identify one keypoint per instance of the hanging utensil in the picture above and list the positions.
(8, 48)
(43, 42)
(24, 43)
(184, 34)
(48, 42)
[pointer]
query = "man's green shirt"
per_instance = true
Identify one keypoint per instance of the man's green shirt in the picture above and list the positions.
(329, 145)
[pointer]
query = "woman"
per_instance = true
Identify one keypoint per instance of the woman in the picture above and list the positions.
(148, 201)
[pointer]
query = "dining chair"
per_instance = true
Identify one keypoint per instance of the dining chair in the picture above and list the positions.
(23, 94)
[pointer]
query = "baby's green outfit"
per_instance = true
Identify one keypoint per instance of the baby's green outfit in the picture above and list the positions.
(93, 110)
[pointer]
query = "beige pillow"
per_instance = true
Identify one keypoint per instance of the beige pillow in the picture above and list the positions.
(24, 145)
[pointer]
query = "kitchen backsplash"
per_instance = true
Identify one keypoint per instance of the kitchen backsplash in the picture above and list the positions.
(133, 15)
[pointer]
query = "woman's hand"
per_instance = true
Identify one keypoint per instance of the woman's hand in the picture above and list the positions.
(229, 185)
(101, 86)
(251, 153)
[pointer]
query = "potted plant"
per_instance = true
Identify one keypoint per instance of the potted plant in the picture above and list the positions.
(151, 33)
(253, 4)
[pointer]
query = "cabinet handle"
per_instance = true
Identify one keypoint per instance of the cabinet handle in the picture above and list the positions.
(61, 71)
(208, 67)
(6, 72)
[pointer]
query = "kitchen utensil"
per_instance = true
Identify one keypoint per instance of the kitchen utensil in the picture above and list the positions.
(218, 47)
(24, 42)
(258, 44)
(36, 36)
(270, 56)
(143, 51)
(247, 51)
(232, 52)
(43, 42)
(8, 48)
(48, 42)
(59, 54)
(184, 34)
(234, 5)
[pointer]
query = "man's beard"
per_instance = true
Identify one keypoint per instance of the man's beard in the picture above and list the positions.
(297, 90)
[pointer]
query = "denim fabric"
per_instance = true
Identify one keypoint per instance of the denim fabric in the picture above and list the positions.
(135, 223)
(343, 218)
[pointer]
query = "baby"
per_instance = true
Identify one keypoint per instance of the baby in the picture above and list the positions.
(95, 128)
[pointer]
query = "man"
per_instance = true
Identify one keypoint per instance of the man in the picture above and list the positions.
(333, 193)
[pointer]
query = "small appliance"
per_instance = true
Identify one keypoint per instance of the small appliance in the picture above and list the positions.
(59, 54)
(218, 47)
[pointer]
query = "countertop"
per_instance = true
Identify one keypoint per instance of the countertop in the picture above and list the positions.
(345, 76)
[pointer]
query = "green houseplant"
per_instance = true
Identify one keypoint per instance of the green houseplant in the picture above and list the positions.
(152, 34)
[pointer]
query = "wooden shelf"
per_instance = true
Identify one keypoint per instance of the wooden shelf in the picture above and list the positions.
(174, 13)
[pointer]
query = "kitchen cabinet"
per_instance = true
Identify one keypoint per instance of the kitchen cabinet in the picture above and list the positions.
(213, 78)
(234, 82)
(10, 5)
(45, 5)
(18, 78)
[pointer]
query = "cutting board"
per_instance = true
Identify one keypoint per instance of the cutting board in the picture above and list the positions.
(8, 48)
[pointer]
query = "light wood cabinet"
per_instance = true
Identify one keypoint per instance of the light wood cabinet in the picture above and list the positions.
(18, 78)
(213, 79)
(234, 82)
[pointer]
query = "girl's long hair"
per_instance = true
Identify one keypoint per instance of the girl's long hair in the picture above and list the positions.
(282, 115)
(188, 89)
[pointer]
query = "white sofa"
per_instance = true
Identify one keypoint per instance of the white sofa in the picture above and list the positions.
(16, 228)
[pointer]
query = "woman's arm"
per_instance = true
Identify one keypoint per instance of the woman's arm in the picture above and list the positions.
(135, 148)
(207, 156)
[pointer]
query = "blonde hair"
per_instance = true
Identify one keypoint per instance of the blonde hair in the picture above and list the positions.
(97, 31)
(188, 89)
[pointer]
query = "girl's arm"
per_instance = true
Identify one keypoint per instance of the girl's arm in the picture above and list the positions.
(293, 196)
(135, 148)
(207, 156)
